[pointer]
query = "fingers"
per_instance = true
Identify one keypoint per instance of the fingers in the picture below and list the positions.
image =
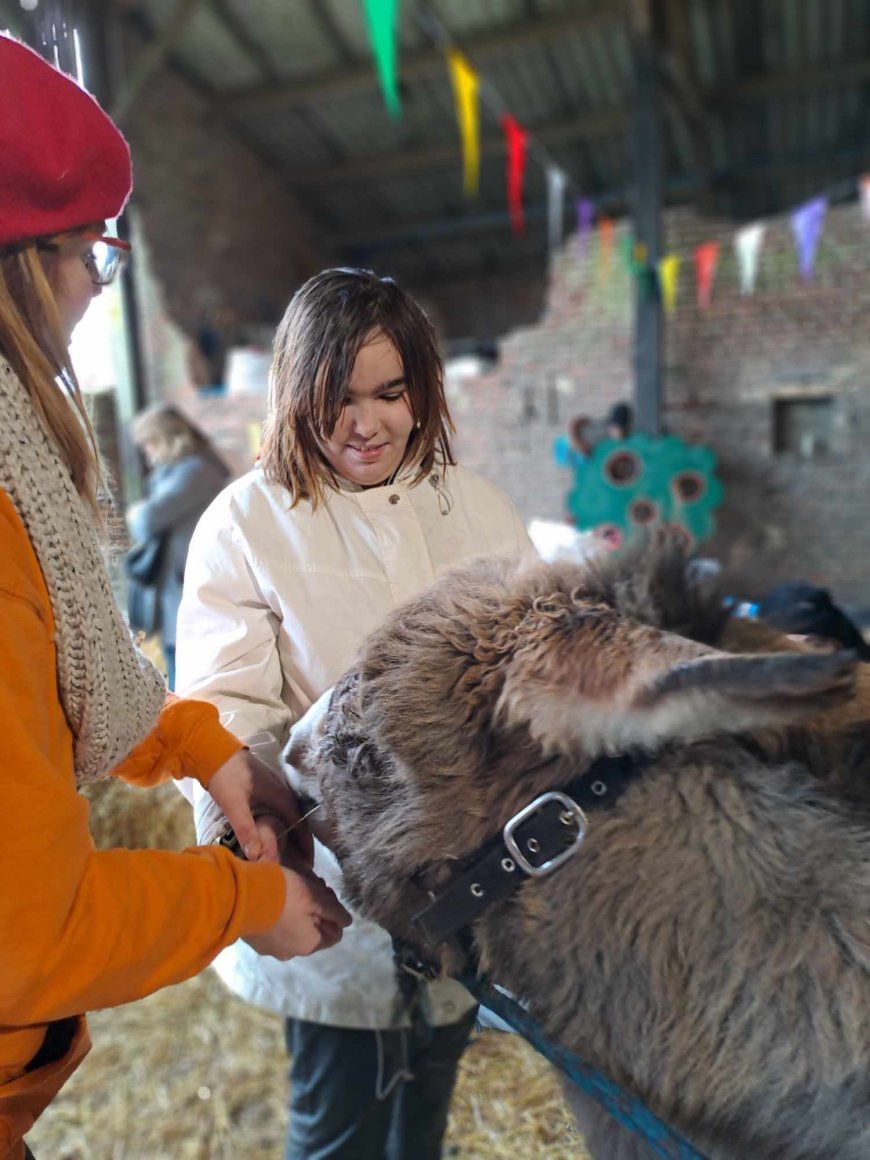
(244, 783)
(246, 831)
(266, 829)
(271, 791)
(329, 934)
(323, 902)
(312, 919)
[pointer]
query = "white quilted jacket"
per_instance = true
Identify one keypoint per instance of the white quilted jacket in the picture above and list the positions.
(276, 602)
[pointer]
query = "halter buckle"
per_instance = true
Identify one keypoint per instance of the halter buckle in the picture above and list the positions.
(570, 807)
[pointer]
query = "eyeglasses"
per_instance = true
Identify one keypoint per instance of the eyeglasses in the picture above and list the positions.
(103, 259)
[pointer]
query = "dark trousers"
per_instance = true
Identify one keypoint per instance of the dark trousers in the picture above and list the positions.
(370, 1095)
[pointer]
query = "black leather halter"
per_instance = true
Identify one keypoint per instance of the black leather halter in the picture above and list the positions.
(534, 842)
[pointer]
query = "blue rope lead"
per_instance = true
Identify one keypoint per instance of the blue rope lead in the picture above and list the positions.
(625, 1108)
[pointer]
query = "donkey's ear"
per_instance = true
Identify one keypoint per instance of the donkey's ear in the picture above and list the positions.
(729, 694)
(667, 689)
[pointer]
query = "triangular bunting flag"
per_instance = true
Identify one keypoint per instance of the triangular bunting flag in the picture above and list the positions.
(606, 238)
(466, 85)
(556, 182)
(382, 21)
(517, 143)
(806, 224)
(865, 196)
(585, 216)
(634, 254)
(706, 261)
(669, 280)
(747, 245)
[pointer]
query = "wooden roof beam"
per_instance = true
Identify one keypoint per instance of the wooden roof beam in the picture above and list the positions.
(592, 125)
(793, 83)
(422, 62)
(152, 57)
(589, 126)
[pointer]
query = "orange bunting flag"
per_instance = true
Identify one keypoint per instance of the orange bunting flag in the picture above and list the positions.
(706, 261)
(466, 84)
(669, 279)
(865, 196)
(517, 144)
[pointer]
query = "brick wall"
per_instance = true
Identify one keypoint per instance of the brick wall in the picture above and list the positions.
(783, 516)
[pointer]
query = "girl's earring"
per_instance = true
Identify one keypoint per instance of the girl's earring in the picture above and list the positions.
(417, 424)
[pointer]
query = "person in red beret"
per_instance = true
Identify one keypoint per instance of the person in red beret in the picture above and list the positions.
(82, 928)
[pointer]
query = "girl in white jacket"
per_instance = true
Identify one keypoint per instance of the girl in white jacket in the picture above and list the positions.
(356, 505)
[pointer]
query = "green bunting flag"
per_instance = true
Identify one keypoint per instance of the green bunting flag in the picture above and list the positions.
(382, 19)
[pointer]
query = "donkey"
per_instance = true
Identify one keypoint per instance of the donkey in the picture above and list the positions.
(708, 945)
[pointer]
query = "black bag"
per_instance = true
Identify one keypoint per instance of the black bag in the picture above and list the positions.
(142, 562)
(142, 569)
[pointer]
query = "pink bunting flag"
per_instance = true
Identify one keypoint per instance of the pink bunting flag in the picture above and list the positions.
(806, 224)
(706, 261)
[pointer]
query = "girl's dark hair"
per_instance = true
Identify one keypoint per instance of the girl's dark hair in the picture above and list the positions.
(328, 320)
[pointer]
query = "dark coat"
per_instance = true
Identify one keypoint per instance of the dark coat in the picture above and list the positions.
(178, 494)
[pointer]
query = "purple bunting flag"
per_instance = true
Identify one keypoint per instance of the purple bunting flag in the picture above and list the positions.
(585, 217)
(806, 224)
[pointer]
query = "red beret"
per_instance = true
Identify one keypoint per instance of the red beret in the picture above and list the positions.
(63, 163)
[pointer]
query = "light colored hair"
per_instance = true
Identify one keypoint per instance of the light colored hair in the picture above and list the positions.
(171, 434)
(328, 320)
(31, 339)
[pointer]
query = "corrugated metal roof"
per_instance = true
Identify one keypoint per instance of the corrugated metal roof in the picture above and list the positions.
(782, 86)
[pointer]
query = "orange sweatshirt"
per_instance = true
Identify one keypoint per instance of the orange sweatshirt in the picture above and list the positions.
(81, 928)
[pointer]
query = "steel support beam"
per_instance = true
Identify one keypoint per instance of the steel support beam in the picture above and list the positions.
(646, 27)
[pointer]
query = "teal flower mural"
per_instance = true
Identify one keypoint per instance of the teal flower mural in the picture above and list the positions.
(628, 484)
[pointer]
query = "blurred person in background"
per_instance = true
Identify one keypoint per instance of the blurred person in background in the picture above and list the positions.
(82, 928)
(356, 505)
(186, 473)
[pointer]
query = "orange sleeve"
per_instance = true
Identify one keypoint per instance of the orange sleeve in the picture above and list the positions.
(188, 741)
(81, 928)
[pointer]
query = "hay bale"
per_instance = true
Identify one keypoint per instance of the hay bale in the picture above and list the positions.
(138, 819)
(122, 815)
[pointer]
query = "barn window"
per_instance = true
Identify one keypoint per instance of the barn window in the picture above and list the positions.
(803, 426)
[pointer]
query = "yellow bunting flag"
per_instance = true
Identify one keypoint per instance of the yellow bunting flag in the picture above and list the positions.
(466, 83)
(669, 277)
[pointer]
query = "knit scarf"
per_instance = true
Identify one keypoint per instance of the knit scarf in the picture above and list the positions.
(110, 693)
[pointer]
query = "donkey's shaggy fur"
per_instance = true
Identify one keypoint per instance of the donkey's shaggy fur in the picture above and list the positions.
(709, 946)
